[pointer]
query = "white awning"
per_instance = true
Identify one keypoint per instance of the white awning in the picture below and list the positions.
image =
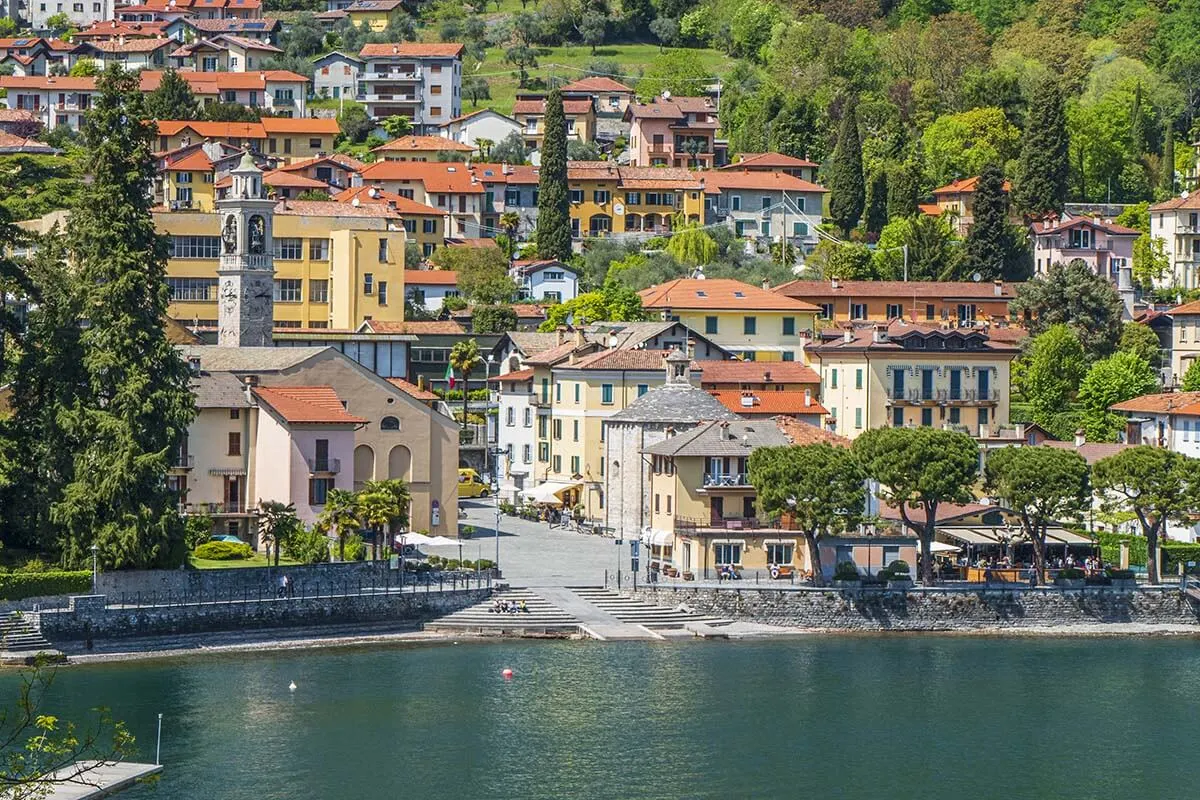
(942, 547)
(1066, 537)
(656, 538)
(741, 542)
(548, 492)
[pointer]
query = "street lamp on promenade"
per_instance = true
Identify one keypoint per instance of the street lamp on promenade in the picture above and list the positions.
(95, 568)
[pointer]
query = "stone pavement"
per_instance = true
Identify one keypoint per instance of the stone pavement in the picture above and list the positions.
(533, 553)
(593, 620)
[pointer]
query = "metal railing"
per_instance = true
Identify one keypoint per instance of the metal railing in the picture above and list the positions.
(324, 465)
(183, 461)
(227, 507)
(724, 479)
(391, 75)
(724, 524)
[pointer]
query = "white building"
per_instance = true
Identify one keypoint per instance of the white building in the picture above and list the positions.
(427, 288)
(546, 280)
(515, 431)
(418, 80)
(335, 75)
(1176, 223)
(482, 124)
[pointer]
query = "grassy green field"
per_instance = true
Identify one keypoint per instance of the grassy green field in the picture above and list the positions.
(258, 560)
(569, 63)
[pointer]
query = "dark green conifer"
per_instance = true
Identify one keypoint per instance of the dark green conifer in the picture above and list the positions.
(554, 206)
(847, 193)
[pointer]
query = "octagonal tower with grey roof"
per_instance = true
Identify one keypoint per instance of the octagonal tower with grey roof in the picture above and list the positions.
(675, 406)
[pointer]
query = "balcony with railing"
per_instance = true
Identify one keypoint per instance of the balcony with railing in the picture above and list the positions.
(325, 465)
(218, 509)
(724, 525)
(391, 75)
(659, 149)
(183, 461)
(389, 97)
(942, 396)
(1079, 244)
(726, 480)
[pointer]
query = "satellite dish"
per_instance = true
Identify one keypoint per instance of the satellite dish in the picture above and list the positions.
(977, 277)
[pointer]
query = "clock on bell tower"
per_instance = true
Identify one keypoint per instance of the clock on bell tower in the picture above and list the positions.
(246, 272)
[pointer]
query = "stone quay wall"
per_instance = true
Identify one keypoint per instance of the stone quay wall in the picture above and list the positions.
(933, 609)
(91, 616)
(239, 580)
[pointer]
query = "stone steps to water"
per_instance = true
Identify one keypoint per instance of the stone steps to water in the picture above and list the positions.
(541, 618)
(638, 612)
(21, 640)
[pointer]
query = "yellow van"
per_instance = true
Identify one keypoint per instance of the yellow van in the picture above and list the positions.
(470, 485)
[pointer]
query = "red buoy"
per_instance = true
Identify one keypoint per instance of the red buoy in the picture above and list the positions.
(507, 673)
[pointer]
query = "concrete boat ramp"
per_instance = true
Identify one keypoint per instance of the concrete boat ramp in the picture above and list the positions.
(596, 613)
(89, 780)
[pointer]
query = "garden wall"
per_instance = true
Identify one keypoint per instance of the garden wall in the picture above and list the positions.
(930, 609)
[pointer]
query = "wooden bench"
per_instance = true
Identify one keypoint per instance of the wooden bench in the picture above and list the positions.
(783, 571)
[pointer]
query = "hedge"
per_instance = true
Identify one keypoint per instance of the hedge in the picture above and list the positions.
(223, 551)
(1176, 553)
(19, 585)
(1110, 548)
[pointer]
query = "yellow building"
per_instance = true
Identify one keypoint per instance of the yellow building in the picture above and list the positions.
(760, 324)
(283, 138)
(608, 199)
(530, 113)
(187, 181)
(373, 14)
(336, 264)
(423, 224)
(421, 148)
(904, 374)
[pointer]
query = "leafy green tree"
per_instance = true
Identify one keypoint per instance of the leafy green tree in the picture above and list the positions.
(277, 522)
(666, 30)
(465, 359)
(58, 23)
(1073, 295)
(1043, 485)
(475, 88)
(846, 190)
(135, 406)
(1150, 260)
(819, 486)
(992, 248)
(1053, 368)
(303, 36)
(354, 123)
(961, 145)
(1158, 485)
(397, 126)
(172, 99)
(582, 151)
(510, 150)
(554, 210)
(678, 72)
(850, 262)
(691, 245)
(232, 112)
(482, 273)
(592, 27)
(1041, 184)
(308, 545)
(613, 302)
(1140, 340)
(919, 470)
(493, 319)
(84, 68)
(524, 58)
(339, 517)
(1191, 378)
(933, 254)
(1122, 376)
(1167, 177)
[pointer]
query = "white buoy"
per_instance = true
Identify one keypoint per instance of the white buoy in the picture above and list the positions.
(292, 686)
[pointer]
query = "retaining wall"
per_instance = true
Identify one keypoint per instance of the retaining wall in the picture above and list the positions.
(242, 579)
(934, 609)
(89, 617)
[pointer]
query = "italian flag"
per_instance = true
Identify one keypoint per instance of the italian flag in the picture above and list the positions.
(450, 375)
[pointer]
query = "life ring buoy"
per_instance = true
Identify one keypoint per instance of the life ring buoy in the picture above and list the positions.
(774, 572)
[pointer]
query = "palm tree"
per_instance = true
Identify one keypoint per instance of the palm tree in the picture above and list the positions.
(375, 509)
(397, 489)
(484, 146)
(465, 357)
(340, 516)
(277, 521)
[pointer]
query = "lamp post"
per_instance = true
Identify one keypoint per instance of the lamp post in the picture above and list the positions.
(95, 567)
(493, 452)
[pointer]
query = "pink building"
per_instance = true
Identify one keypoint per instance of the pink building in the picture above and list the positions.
(1104, 246)
(672, 132)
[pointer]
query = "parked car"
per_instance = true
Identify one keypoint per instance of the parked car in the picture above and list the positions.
(470, 484)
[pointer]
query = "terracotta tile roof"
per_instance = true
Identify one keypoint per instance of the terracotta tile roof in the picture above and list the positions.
(1090, 451)
(447, 178)
(21, 42)
(513, 377)
(340, 159)
(377, 196)
(1189, 201)
(412, 389)
(16, 115)
(800, 433)
(528, 310)
(780, 372)
(430, 277)
(264, 25)
(863, 339)
(945, 513)
(768, 402)
(1044, 227)
(314, 405)
(288, 180)
(768, 161)
(1187, 308)
(417, 327)
(718, 293)
(248, 44)
(659, 108)
(111, 29)
(1185, 403)
(196, 161)
(560, 352)
(595, 83)
(942, 290)
(570, 107)
(423, 143)
(724, 178)
(412, 50)
(489, 172)
(965, 186)
(638, 360)
(930, 209)
(61, 83)
(480, 243)
(212, 130)
(10, 144)
(332, 208)
(310, 125)
(131, 45)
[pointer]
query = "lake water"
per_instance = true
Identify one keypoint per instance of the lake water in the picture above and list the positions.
(819, 717)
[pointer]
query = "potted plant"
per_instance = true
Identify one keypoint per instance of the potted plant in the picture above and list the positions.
(1122, 579)
(467, 531)
(1070, 578)
(899, 575)
(846, 575)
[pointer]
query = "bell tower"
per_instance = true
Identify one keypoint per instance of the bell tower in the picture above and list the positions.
(247, 267)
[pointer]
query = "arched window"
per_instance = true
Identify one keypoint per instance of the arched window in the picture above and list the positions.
(389, 424)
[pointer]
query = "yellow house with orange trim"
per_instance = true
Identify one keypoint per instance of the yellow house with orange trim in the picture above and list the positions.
(608, 199)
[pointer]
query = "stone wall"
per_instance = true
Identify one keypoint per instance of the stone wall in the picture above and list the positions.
(216, 582)
(938, 609)
(89, 616)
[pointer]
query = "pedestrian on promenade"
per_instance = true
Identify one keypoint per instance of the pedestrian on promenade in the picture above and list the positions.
(282, 586)
(287, 585)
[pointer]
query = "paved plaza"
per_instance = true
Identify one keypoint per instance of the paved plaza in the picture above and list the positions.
(533, 553)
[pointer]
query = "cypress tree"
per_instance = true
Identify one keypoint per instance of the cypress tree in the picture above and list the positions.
(846, 190)
(134, 404)
(1168, 160)
(903, 186)
(877, 197)
(554, 207)
(990, 242)
(1041, 186)
(173, 99)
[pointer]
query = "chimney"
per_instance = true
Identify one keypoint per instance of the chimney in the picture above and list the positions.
(998, 288)
(766, 376)
(1020, 428)
(847, 336)
(580, 341)
(421, 382)
(766, 285)
(749, 400)
(560, 334)
(1080, 438)
(833, 282)
(248, 384)
(807, 398)
(880, 334)
(691, 348)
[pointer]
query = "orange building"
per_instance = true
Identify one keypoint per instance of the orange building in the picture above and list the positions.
(962, 302)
